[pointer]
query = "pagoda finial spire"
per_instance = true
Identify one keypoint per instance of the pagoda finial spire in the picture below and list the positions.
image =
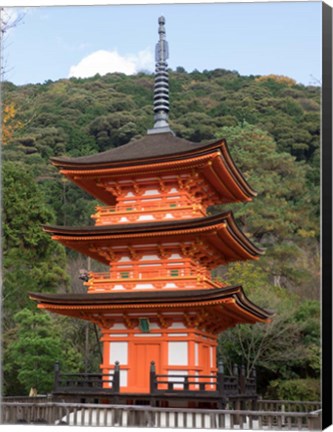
(161, 87)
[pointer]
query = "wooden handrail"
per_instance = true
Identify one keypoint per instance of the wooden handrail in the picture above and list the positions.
(78, 414)
(70, 381)
(226, 386)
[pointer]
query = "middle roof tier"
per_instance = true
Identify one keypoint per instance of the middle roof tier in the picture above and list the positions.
(208, 241)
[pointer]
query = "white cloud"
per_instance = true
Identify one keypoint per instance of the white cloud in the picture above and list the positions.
(104, 62)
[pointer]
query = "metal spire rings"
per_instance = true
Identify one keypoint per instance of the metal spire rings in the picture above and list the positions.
(161, 87)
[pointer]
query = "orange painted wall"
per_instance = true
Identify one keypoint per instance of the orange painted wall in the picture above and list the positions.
(142, 349)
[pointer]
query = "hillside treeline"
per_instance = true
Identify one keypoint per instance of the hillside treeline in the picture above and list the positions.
(272, 127)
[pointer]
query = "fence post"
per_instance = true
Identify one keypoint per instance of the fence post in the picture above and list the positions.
(219, 378)
(116, 378)
(314, 420)
(254, 376)
(242, 380)
(56, 376)
(153, 383)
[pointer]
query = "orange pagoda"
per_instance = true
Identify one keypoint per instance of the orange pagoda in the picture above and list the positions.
(158, 309)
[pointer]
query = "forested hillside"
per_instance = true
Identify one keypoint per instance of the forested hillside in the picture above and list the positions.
(272, 127)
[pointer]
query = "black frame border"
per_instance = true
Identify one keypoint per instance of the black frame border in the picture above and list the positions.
(326, 209)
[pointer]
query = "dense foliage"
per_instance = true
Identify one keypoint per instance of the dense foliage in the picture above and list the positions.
(272, 126)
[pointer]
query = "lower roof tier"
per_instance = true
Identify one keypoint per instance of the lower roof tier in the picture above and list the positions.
(221, 238)
(221, 308)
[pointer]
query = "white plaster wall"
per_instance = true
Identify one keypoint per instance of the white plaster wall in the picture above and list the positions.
(177, 334)
(177, 325)
(151, 192)
(118, 287)
(146, 217)
(118, 326)
(196, 354)
(149, 257)
(119, 352)
(123, 378)
(177, 353)
(125, 258)
(148, 334)
(144, 286)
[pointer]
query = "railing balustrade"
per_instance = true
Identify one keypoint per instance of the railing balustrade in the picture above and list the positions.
(288, 406)
(87, 382)
(209, 385)
(146, 416)
(133, 211)
(159, 278)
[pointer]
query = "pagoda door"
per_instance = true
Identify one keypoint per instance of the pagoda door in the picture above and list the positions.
(205, 360)
(145, 354)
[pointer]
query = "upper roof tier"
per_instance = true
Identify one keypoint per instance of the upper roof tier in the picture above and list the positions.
(157, 154)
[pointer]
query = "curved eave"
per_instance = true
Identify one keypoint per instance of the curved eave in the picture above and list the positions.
(124, 156)
(233, 301)
(235, 171)
(213, 160)
(220, 231)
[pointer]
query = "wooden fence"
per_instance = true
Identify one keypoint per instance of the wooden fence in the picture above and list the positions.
(146, 416)
(288, 406)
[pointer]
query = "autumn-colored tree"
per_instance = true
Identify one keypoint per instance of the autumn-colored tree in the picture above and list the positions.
(277, 78)
(9, 123)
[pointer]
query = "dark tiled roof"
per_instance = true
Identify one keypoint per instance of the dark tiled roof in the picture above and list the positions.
(144, 297)
(149, 147)
(134, 228)
(151, 227)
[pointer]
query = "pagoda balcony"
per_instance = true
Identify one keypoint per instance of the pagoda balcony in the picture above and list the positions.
(217, 386)
(86, 382)
(127, 213)
(153, 279)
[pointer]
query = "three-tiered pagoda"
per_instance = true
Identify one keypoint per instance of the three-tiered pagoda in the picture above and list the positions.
(158, 301)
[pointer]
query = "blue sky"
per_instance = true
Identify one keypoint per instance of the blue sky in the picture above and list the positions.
(252, 38)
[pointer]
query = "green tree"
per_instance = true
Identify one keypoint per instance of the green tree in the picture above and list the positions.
(280, 218)
(33, 346)
(31, 260)
(287, 348)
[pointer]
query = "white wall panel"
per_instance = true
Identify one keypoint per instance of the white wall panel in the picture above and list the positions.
(196, 354)
(118, 326)
(119, 352)
(123, 378)
(178, 325)
(177, 353)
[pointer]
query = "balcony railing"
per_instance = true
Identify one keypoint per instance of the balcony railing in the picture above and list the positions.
(86, 382)
(210, 385)
(109, 214)
(215, 385)
(159, 278)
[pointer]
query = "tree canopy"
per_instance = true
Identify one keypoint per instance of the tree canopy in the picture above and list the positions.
(272, 127)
